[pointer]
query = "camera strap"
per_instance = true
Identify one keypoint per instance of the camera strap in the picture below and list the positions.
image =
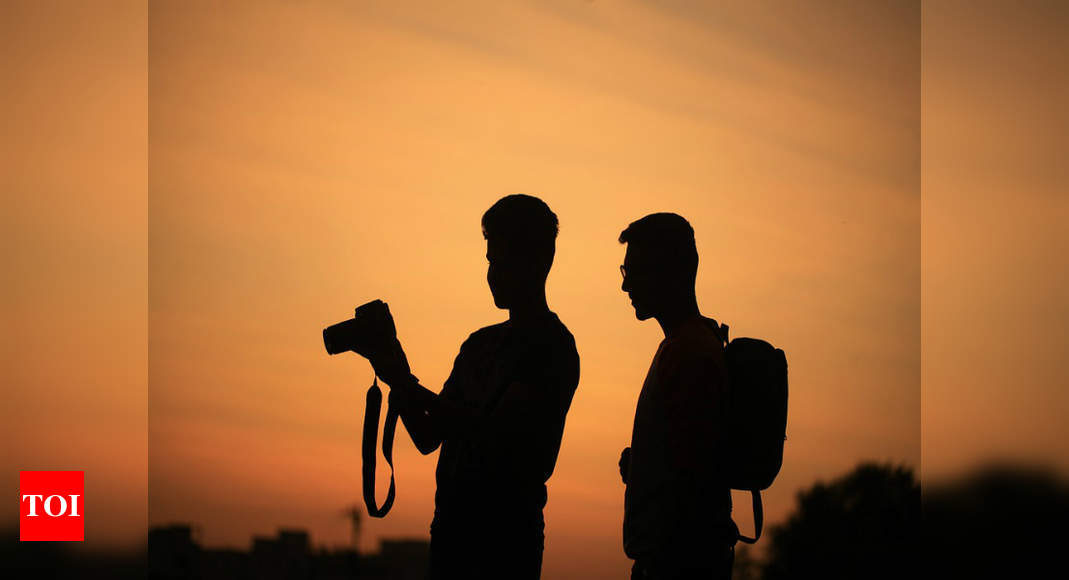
(371, 429)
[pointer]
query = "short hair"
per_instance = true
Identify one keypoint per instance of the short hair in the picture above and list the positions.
(667, 237)
(525, 224)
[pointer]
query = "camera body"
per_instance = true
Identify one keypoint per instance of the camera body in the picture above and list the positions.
(370, 329)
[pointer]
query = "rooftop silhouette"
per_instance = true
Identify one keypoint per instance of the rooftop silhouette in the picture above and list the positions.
(174, 553)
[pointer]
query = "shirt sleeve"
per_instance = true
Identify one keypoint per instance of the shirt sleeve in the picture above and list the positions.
(546, 377)
(451, 389)
(527, 423)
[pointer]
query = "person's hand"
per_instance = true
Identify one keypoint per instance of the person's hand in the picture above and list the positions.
(390, 363)
(376, 340)
(400, 396)
(625, 463)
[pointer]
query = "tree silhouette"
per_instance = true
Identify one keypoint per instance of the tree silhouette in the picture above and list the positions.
(862, 525)
(1000, 521)
(745, 566)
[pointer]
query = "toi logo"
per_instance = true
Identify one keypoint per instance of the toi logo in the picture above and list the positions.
(50, 506)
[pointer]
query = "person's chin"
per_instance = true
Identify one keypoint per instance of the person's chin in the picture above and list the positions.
(641, 313)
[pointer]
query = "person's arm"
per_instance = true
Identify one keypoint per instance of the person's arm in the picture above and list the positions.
(524, 427)
(524, 406)
(427, 416)
(695, 399)
(695, 429)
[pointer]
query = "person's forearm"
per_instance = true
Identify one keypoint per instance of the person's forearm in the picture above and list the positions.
(413, 402)
(428, 417)
(422, 430)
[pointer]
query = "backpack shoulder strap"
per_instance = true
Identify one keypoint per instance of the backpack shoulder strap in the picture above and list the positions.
(758, 518)
(720, 330)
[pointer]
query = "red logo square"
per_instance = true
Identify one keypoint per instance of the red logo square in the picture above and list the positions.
(51, 506)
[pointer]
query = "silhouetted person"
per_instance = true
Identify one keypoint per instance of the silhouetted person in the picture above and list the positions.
(500, 416)
(677, 504)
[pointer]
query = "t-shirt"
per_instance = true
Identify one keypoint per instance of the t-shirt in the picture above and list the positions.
(521, 380)
(676, 501)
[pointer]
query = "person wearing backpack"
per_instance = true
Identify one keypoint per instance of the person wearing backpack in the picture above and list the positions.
(677, 501)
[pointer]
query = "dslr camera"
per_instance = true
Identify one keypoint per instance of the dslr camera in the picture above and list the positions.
(368, 332)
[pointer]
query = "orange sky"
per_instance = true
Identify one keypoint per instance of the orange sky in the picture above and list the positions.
(306, 159)
(302, 160)
(287, 145)
(995, 209)
(73, 244)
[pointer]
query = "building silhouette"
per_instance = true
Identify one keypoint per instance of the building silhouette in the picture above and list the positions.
(175, 554)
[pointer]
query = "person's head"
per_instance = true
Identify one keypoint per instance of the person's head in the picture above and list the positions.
(521, 234)
(661, 263)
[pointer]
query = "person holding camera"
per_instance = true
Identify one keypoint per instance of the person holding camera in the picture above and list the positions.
(499, 418)
(677, 503)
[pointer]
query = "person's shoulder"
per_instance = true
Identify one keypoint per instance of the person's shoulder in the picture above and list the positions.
(699, 342)
(565, 355)
(557, 327)
(484, 334)
(556, 334)
(490, 330)
(550, 351)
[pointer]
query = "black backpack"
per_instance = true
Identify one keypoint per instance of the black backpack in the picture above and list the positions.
(757, 412)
